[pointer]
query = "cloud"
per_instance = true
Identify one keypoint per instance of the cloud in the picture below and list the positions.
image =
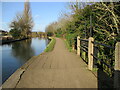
(36, 16)
(4, 26)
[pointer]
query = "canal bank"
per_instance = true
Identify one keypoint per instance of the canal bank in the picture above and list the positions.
(16, 76)
(14, 79)
(12, 40)
(56, 69)
(16, 54)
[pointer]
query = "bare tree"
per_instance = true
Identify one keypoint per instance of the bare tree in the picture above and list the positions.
(23, 23)
(27, 18)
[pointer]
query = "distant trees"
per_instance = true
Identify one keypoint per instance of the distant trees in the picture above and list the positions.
(22, 25)
(59, 26)
(38, 34)
(51, 29)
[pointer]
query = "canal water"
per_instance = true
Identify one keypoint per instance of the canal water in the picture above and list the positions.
(14, 55)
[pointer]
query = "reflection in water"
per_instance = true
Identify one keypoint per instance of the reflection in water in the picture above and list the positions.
(14, 55)
(23, 50)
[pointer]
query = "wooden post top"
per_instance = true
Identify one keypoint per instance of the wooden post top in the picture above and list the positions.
(117, 56)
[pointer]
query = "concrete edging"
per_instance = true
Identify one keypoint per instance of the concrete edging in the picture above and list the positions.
(14, 79)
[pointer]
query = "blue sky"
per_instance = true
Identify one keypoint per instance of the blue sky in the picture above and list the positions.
(43, 13)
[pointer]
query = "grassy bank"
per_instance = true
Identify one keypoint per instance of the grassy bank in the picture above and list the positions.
(67, 45)
(50, 46)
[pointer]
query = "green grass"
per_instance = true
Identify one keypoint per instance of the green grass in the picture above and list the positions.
(68, 46)
(95, 69)
(50, 46)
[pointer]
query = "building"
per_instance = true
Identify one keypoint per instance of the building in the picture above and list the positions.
(3, 33)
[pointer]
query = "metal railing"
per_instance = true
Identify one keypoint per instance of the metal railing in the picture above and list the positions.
(84, 49)
(103, 56)
(100, 59)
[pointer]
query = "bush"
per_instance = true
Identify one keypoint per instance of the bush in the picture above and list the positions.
(15, 33)
(71, 39)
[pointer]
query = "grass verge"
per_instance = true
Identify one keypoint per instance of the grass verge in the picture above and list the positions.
(68, 46)
(50, 46)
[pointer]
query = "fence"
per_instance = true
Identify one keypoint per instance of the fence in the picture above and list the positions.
(92, 53)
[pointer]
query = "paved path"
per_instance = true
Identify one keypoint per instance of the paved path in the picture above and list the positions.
(58, 69)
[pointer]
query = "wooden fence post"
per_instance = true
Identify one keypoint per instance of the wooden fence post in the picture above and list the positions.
(117, 66)
(73, 47)
(78, 45)
(90, 51)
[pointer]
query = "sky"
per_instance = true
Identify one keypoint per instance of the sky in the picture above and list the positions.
(43, 13)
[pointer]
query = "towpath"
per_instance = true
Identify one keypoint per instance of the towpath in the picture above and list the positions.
(57, 69)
